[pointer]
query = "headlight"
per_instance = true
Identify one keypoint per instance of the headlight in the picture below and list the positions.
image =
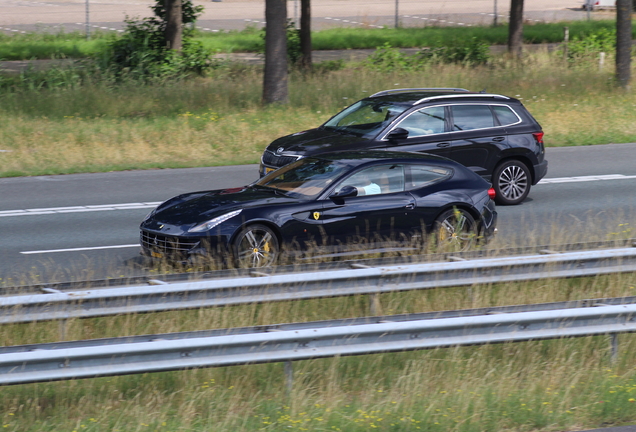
(152, 213)
(205, 226)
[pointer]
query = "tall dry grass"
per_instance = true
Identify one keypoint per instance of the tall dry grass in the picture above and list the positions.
(550, 385)
(219, 120)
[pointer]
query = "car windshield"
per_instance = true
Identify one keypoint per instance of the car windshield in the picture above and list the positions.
(305, 178)
(365, 118)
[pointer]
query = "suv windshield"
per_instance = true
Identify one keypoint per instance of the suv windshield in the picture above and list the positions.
(365, 118)
(305, 177)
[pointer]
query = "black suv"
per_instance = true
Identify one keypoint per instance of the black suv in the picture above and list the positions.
(493, 135)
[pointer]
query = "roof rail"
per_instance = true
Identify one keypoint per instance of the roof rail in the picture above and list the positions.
(483, 95)
(386, 92)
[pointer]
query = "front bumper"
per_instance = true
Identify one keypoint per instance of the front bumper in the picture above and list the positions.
(271, 161)
(181, 248)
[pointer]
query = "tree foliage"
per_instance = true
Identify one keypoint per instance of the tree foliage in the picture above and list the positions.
(142, 51)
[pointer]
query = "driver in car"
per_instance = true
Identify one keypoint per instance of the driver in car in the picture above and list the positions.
(366, 186)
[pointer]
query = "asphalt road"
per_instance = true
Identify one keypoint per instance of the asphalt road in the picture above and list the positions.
(70, 227)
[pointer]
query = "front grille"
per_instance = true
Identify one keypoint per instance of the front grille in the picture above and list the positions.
(165, 244)
(274, 160)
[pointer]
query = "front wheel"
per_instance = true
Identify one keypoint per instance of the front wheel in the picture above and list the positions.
(455, 231)
(511, 181)
(256, 246)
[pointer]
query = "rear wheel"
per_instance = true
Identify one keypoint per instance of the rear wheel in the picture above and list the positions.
(256, 246)
(511, 181)
(455, 231)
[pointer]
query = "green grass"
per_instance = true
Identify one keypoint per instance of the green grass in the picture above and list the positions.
(75, 45)
(51, 45)
(359, 38)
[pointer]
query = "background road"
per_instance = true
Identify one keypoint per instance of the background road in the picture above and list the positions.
(58, 228)
(71, 15)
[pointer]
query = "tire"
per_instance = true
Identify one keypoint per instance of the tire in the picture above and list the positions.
(255, 246)
(455, 230)
(511, 181)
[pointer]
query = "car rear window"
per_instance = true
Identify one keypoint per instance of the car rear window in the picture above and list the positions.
(421, 175)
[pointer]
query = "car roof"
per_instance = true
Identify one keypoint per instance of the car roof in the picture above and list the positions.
(416, 96)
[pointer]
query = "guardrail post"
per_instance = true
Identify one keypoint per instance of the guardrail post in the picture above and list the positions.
(375, 308)
(614, 347)
(62, 329)
(289, 377)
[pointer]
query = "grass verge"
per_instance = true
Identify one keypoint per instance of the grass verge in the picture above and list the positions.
(90, 124)
(553, 385)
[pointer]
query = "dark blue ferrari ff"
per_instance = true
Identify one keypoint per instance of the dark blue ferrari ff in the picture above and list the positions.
(331, 203)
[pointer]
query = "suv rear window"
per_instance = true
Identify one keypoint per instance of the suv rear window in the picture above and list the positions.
(505, 115)
(468, 117)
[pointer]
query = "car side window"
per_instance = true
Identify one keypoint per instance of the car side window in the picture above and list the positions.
(426, 121)
(421, 176)
(469, 117)
(506, 115)
(376, 180)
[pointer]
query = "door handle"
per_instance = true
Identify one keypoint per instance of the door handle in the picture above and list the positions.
(499, 139)
(444, 144)
(410, 206)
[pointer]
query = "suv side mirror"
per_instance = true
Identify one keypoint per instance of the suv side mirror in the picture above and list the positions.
(398, 134)
(346, 192)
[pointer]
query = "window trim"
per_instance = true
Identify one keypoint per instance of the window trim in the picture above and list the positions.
(489, 105)
(397, 125)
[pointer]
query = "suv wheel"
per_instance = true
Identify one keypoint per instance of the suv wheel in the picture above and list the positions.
(511, 182)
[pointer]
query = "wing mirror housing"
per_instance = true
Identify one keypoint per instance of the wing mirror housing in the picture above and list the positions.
(345, 192)
(398, 134)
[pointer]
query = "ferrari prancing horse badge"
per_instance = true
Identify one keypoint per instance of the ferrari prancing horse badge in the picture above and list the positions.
(316, 215)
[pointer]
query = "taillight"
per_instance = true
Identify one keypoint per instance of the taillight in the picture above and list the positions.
(492, 193)
(538, 136)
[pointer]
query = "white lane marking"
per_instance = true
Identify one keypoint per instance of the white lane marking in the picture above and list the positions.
(586, 178)
(79, 249)
(79, 209)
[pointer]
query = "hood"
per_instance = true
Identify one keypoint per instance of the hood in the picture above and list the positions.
(197, 207)
(314, 141)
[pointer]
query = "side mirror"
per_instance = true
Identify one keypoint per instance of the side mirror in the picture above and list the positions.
(398, 134)
(345, 192)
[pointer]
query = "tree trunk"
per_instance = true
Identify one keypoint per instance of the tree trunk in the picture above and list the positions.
(275, 76)
(623, 42)
(305, 34)
(174, 24)
(515, 28)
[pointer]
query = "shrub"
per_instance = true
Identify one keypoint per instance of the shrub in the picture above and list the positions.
(387, 58)
(141, 52)
(589, 46)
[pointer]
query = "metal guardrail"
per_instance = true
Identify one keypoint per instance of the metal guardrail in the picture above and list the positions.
(54, 305)
(290, 342)
(312, 264)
